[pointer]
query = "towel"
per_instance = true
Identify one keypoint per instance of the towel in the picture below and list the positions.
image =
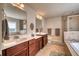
(5, 29)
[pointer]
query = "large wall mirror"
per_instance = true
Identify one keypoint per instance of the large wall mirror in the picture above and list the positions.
(73, 23)
(16, 26)
(38, 25)
(16, 19)
(32, 26)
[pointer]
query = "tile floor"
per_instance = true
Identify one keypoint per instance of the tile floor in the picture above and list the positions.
(55, 47)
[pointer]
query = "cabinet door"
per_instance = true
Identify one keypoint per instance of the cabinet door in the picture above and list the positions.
(37, 45)
(32, 50)
(27, 51)
(32, 47)
(45, 40)
(24, 52)
(40, 43)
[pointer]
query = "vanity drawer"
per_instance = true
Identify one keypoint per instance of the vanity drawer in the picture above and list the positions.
(24, 52)
(45, 40)
(15, 49)
(40, 43)
(32, 49)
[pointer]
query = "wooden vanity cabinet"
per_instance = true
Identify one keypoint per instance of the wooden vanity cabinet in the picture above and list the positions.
(18, 50)
(45, 40)
(40, 41)
(38, 44)
(24, 52)
(32, 47)
(28, 48)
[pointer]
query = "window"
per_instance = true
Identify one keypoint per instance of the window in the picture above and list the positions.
(12, 26)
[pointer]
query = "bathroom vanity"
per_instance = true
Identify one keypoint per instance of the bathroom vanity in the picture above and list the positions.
(22, 40)
(28, 46)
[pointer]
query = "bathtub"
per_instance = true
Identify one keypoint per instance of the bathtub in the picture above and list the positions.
(75, 46)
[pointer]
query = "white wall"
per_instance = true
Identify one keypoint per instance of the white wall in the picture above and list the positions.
(31, 17)
(53, 23)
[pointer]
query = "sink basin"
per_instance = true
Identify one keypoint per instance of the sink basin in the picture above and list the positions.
(16, 37)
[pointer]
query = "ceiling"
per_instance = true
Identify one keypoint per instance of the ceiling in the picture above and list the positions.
(55, 9)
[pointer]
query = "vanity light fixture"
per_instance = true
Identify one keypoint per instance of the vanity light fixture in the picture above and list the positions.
(22, 5)
(19, 5)
(39, 17)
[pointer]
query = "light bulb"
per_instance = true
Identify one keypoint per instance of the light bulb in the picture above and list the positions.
(22, 5)
(39, 17)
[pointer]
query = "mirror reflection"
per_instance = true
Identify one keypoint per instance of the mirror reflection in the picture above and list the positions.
(16, 26)
(38, 25)
(14, 22)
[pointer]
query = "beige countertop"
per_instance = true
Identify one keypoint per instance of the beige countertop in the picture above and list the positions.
(40, 33)
(14, 42)
(73, 47)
